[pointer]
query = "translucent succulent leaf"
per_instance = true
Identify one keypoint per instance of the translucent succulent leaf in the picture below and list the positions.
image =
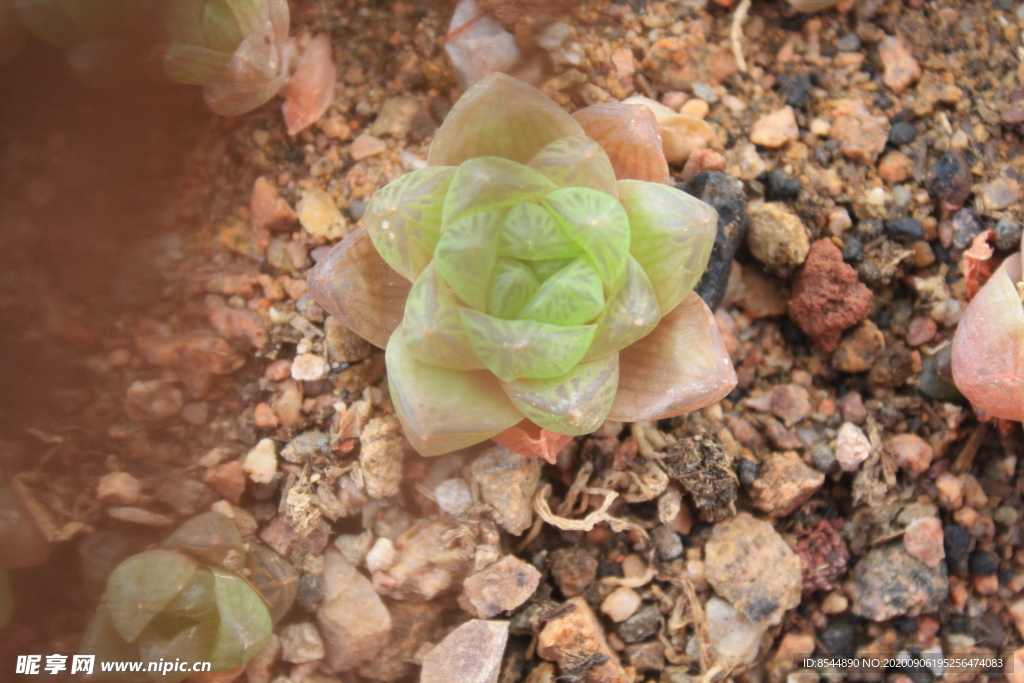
(249, 15)
(672, 237)
(577, 161)
(546, 268)
(681, 366)
(490, 183)
(194, 64)
(220, 28)
(103, 641)
(499, 116)
(404, 219)
(433, 328)
(988, 348)
(227, 100)
(575, 403)
(513, 349)
(598, 223)
(531, 233)
(356, 286)
(244, 625)
(442, 410)
(631, 314)
(183, 20)
(630, 134)
(512, 286)
(274, 578)
(572, 296)
(466, 254)
(196, 599)
(191, 642)
(141, 586)
(210, 537)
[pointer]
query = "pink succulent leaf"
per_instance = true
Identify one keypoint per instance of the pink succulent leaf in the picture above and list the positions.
(631, 314)
(528, 439)
(671, 238)
(356, 286)
(404, 219)
(988, 348)
(442, 410)
(575, 403)
(433, 328)
(311, 88)
(499, 116)
(629, 133)
(577, 161)
(681, 366)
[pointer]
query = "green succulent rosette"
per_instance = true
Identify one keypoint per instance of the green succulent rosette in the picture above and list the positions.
(235, 49)
(528, 285)
(203, 596)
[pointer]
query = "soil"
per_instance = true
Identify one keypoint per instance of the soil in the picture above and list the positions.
(150, 330)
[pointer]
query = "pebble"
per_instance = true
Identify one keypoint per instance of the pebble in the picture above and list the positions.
(267, 208)
(573, 570)
(353, 620)
(227, 479)
(365, 146)
(901, 69)
(777, 238)
(904, 230)
(957, 544)
(507, 483)
(852, 447)
(824, 458)
(301, 643)
(152, 401)
(396, 116)
(472, 653)
(501, 587)
(838, 637)
(319, 215)
(260, 463)
(118, 487)
(667, 543)
(984, 563)
(380, 456)
(641, 625)
(733, 638)
(621, 603)
(310, 89)
(911, 453)
(902, 133)
(834, 603)
(310, 367)
(951, 180)
(828, 297)
(1001, 193)
(381, 555)
(923, 539)
(260, 668)
(725, 194)
(1008, 235)
(895, 167)
(852, 407)
(747, 471)
(478, 45)
(950, 491)
(743, 162)
(579, 630)
(780, 186)
(454, 496)
(853, 250)
(344, 345)
(751, 565)
(921, 330)
(305, 446)
(791, 403)
(784, 483)
(775, 129)
(861, 135)
(310, 592)
(889, 582)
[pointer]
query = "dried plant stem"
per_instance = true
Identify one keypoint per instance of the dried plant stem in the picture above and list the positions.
(736, 34)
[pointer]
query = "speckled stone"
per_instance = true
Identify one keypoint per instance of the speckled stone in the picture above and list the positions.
(889, 582)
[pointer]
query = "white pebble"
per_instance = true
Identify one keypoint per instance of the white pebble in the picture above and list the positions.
(261, 462)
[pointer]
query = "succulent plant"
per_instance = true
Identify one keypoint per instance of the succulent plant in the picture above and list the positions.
(201, 596)
(235, 49)
(988, 347)
(531, 282)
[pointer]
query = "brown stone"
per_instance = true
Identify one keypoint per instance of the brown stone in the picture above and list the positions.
(775, 129)
(680, 61)
(861, 135)
(353, 620)
(828, 297)
(227, 479)
(901, 69)
(501, 587)
(470, 654)
(924, 540)
(895, 167)
(785, 483)
(575, 631)
(860, 349)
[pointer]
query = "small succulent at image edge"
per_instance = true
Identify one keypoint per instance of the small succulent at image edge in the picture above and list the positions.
(203, 596)
(235, 49)
(532, 281)
(988, 347)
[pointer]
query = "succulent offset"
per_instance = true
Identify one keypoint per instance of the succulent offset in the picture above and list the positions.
(988, 347)
(233, 48)
(531, 282)
(189, 600)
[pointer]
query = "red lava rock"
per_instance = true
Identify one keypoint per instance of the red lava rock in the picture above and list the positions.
(227, 479)
(310, 90)
(823, 556)
(828, 297)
